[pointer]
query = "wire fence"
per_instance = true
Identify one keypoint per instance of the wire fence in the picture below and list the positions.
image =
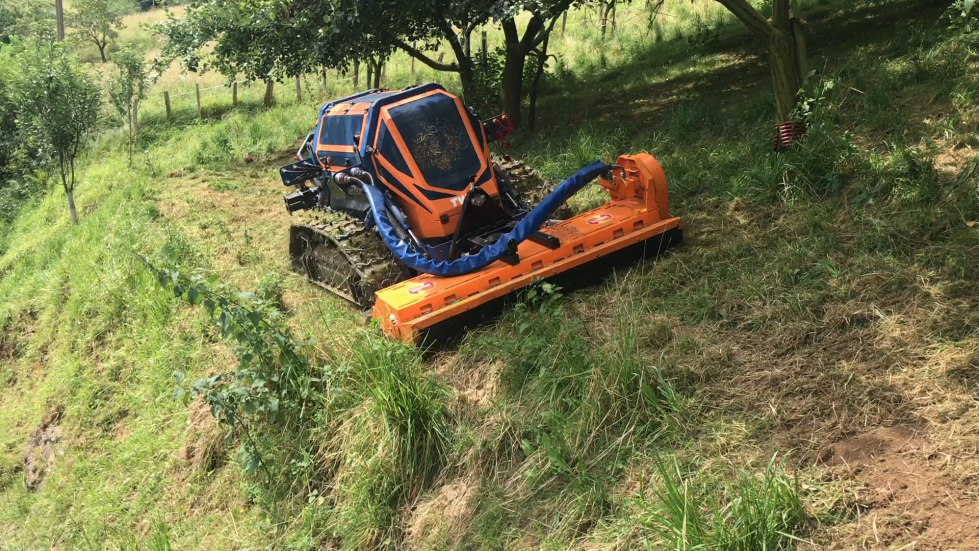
(203, 99)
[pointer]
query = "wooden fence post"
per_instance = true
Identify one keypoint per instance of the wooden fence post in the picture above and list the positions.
(269, 93)
(166, 103)
(412, 65)
(326, 91)
(564, 22)
(59, 15)
(356, 74)
(482, 55)
(299, 89)
(200, 110)
(234, 94)
(135, 136)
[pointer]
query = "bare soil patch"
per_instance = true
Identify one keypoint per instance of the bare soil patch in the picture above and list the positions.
(204, 451)
(444, 515)
(911, 492)
(39, 457)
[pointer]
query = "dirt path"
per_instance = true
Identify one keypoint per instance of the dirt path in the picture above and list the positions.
(915, 490)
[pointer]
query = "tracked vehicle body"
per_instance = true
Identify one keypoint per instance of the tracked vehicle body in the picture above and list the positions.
(405, 211)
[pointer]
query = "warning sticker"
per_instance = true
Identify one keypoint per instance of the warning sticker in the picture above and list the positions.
(599, 219)
(419, 288)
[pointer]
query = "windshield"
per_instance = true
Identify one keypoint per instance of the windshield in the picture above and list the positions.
(437, 138)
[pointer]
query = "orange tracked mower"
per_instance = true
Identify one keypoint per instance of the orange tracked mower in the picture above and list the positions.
(406, 212)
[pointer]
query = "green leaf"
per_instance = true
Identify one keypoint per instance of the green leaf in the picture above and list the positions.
(649, 394)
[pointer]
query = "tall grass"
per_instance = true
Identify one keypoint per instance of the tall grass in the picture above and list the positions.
(411, 404)
(747, 513)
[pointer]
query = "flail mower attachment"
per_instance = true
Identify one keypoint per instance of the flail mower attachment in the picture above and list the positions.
(638, 212)
(405, 211)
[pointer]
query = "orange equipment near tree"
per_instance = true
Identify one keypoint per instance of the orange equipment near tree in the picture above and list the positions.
(411, 216)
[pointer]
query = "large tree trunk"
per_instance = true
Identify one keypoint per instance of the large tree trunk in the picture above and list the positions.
(784, 58)
(101, 51)
(517, 48)
(785, 73)
(786, 49)
(511, 90)
(71, 207)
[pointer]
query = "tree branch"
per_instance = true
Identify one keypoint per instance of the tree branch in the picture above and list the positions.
(510, 31)
(544, 32)
(530, 36)
(453, 39)
(447, 67)
(781, 13)
(748, 15)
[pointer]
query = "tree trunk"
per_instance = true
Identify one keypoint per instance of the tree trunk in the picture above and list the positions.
(786, 49)
(784, 60)
(541, 62)
(785, 74)
(604, 21)
(607, 11)
(517, 49)
(269, 93)
(135, 119)
(511, 90)
(130, 140)
(71, 207)
(467, 75)
(102, 51)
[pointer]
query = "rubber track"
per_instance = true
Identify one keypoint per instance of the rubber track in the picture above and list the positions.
(338, 254)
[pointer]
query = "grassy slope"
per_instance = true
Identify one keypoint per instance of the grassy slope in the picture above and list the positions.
(818, 296)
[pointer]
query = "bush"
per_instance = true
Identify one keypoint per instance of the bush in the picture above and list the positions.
(20, 152)
(59, 103)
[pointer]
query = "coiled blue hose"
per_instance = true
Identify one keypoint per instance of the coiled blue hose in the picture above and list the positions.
(487, 255)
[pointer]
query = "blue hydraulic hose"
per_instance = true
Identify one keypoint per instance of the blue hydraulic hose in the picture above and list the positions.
(487, 255)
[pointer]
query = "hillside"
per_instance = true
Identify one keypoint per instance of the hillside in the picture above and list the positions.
(802, 372)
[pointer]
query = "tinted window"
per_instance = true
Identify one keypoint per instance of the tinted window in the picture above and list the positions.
(438, 140)
(340, 129)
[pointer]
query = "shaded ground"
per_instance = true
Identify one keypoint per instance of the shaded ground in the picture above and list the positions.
(641, 92)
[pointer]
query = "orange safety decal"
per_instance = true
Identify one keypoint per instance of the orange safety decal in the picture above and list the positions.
(599, 219)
